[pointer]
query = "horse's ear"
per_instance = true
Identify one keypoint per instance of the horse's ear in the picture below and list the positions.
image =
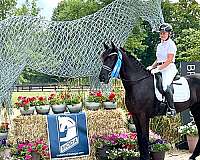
(105, 45)
(113, 45)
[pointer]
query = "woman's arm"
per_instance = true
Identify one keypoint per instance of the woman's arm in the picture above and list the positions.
(169, 60)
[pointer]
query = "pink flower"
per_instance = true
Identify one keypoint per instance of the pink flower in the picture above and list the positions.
(44, 147)
(20, 146)
(28, 157)
(29, 150)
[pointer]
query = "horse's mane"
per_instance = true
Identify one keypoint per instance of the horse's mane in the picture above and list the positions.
(135, 59)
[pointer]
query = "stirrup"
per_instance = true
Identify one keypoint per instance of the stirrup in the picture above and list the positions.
(171, 112)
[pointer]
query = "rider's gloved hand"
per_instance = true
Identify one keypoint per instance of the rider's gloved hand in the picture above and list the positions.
(156, 70)
(149, 68)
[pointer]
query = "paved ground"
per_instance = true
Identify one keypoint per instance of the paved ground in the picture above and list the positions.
(179, 155)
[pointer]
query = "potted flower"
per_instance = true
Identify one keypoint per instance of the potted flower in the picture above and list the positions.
(131, 125)
(158, 146)
(123, 154)
(57, 102)
(3, 135)
(31, 150)
(93, 100)
(124, 144)
(109, 101)
(26, 105)
(74, 103)
(42, 105)
(191, 132)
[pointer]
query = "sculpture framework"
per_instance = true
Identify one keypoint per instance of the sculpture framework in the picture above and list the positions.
(70, 48)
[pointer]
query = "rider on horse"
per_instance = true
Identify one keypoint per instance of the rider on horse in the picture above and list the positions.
(166, 51)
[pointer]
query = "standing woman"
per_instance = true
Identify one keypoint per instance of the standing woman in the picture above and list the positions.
(166, 51)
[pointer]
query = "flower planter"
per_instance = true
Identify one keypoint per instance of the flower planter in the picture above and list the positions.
(59, 108)
(75, 108)
(101, 153)
(35, 156)
(5, 125)
(127, 158)
(157, 155)
(92, 105)
(132, 127)
(3, 138)
(6, 153)
(110, 105)
(30, 111)
(43, 109)
(192, 141)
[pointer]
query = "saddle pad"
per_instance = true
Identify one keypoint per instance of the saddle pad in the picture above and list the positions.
(181, 90)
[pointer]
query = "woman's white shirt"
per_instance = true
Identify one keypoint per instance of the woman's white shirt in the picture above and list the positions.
(164, 48)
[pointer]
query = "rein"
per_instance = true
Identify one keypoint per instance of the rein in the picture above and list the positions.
(114, 73)
(136, 81)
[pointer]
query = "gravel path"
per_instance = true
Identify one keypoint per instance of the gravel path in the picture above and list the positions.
(179, 155)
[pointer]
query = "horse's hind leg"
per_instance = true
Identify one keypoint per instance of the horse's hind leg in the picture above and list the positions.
(195, 110)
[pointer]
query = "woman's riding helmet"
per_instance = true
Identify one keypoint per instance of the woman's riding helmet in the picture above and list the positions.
(165, 27)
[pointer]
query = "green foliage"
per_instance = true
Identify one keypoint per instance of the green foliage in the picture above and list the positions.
(74, 9)
(29, 8)
(73, 99)
(188, 129)
(184, 17)
(6, 8)
(160, 147)
(188, 45)
(57, 98)
(166, 127)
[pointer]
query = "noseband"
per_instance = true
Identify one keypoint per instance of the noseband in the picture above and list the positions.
(114, 73)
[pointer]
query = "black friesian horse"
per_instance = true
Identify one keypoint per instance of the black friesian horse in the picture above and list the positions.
(140, 98)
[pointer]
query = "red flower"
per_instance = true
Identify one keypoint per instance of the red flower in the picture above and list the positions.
(41, 98)
(99, 94)
(111, 96)
(133, 135)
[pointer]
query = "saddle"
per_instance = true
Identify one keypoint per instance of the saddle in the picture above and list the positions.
(179, 87)
(159, 85)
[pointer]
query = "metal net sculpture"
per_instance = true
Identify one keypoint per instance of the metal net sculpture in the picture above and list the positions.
(70, 48)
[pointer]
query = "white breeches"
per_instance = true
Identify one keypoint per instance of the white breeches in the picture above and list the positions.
(168, 75)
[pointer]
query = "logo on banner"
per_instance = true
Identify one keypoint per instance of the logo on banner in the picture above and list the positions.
(68, 135)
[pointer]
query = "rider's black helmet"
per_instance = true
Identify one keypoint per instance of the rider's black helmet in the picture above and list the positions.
(165, 27)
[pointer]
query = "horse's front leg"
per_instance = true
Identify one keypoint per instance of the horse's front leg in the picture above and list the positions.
(142, 128)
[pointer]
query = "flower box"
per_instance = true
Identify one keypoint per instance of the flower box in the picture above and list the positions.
(74, 108)
(192, 142)
(58, 108)
(157, 155)
(110, 105)
(92, 105)
(29, 111)
(43, 109)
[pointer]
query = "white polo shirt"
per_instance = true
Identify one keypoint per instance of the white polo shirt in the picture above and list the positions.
(164, 48)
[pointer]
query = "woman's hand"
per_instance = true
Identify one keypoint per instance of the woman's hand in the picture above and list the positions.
(149, 68)
(156, 70)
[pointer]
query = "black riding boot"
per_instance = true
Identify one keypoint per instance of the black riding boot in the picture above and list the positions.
(170, 101)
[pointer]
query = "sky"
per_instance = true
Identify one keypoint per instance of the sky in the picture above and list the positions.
(47, 6)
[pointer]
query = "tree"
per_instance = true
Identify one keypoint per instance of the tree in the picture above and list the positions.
(185, 19)
(184, 14)
(6, 8)
(29, 8)
(188, 45)
(74, 9)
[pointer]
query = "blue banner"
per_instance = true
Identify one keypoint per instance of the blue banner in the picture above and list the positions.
(68, 135)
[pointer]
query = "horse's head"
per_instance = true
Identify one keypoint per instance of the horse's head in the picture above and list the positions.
(109, 58)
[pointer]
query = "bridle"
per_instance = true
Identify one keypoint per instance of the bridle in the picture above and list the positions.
(110, 70)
